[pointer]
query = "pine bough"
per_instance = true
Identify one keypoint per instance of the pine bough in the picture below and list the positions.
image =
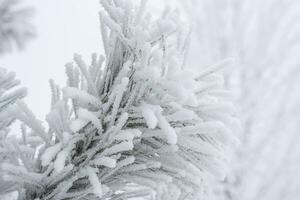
(135, 123)
(9, 94)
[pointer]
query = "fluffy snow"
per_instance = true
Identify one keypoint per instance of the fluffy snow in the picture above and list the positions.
(123, 146)
(149, 116)
(105, 161)
(89, 116)
(77, 124)
(82, 96)
(128, 134)
(50, 153)
(60, 160)
(94, 180)
(167, 129)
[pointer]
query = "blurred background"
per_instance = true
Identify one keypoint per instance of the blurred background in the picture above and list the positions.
(262, 37)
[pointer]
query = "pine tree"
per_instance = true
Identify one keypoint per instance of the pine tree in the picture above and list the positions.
(135, 123)
(15, 28)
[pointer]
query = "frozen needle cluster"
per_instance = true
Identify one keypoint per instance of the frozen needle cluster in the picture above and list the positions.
(135, 123)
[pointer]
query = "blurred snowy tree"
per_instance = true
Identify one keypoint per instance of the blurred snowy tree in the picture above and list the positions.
(134, 123)
(264, 38)
(15, 28)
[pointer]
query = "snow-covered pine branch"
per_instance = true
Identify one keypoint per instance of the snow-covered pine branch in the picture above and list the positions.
(9, 94)
(15, 28)
(134, 123)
